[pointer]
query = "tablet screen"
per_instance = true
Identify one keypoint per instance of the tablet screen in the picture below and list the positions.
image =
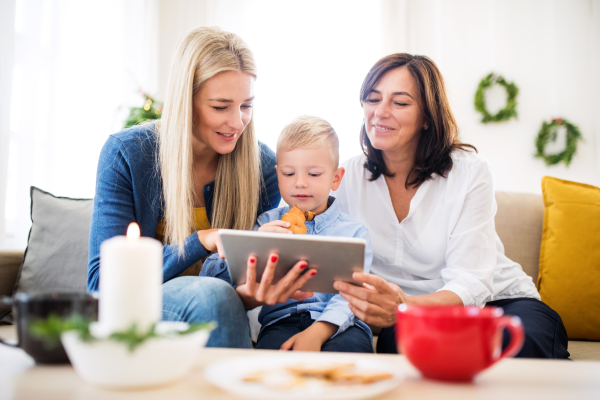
(335, 258)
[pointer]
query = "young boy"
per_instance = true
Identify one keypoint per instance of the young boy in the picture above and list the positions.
(307, 170)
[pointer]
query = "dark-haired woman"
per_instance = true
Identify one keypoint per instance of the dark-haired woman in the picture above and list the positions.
(428, 202)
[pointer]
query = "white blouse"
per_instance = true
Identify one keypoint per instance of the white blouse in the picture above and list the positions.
(448, 241)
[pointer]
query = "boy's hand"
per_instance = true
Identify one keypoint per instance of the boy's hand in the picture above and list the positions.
(276, 226)
(312, 338)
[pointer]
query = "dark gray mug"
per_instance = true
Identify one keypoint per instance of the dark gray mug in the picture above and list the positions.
(28, 308)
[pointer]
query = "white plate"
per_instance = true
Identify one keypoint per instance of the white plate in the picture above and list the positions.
(229, 375)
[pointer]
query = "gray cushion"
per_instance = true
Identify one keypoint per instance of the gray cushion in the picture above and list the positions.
(57, 251)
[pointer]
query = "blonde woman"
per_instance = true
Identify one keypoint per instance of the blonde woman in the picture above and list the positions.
(197, 170)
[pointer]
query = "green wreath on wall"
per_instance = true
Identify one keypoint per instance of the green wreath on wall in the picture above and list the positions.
(548, 133)
(509, 111)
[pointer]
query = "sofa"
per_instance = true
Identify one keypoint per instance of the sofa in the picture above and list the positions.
(519, 223)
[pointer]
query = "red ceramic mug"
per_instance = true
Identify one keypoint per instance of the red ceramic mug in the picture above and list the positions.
(455, 343)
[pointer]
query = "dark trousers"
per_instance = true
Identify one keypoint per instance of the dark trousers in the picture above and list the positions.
(545, 334)
(353, 339)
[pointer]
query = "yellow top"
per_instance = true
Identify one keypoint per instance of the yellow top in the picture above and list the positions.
(201, 223)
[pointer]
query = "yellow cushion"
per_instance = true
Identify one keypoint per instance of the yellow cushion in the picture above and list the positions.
(569, 279)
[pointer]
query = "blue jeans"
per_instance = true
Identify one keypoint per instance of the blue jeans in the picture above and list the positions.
(204, 299)
(353, 339)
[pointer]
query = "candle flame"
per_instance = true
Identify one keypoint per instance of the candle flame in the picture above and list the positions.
(133, 231)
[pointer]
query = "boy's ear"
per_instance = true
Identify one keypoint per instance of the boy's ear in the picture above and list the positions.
(337, 178)
(275, 167)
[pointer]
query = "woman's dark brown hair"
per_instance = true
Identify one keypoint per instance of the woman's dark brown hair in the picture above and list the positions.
(441, 136)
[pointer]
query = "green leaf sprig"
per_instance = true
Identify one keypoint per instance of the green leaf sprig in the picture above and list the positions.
(50, 329)
(132, 338)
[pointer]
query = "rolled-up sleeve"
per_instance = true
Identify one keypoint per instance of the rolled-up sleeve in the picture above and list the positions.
(338, 313)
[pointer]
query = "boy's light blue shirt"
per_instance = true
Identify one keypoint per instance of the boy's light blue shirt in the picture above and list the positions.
(325, 307)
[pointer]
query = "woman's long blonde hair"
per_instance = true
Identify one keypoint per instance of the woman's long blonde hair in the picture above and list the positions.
(202, 54)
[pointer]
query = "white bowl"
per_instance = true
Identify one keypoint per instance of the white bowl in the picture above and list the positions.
(157, 361)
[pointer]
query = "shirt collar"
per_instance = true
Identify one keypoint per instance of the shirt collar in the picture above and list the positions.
(326, 218)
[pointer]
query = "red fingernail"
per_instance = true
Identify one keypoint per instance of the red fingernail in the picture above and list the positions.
(313, 273)
(273, 258)
(302, 266)
(252, 261)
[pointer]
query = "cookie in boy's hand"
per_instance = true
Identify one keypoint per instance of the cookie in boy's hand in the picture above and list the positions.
(297, 218)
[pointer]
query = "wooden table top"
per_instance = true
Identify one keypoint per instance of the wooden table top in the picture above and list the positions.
(510, 379)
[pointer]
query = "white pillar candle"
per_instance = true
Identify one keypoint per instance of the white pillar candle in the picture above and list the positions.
(130, 282)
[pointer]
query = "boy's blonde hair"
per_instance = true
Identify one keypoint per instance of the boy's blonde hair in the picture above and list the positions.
(308, 131)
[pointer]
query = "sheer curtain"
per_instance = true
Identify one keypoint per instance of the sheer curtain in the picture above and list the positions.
(71, 68)
(7, 44)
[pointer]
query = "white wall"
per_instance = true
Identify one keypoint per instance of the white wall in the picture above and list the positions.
(175, 19)
(549, 48)
(312, 57)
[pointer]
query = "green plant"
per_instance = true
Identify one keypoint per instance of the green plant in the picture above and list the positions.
(50, 329)
(151, 110)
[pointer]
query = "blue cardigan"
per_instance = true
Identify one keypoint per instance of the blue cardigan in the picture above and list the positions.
(129, 188)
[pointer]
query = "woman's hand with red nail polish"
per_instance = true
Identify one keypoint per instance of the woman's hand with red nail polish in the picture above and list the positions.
(254, 294)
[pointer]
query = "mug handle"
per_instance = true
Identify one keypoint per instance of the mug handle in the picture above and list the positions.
(9, 344)
(517, 335)
(7, 301)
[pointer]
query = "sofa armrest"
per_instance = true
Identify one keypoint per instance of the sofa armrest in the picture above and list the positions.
(10, 262)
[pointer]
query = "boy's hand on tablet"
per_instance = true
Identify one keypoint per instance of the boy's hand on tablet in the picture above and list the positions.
(312, 338)
(276, 226)
(254, 294)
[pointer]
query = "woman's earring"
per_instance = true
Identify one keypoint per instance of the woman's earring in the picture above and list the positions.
(425, 127)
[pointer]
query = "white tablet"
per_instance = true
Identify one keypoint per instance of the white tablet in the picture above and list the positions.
(335, 258)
